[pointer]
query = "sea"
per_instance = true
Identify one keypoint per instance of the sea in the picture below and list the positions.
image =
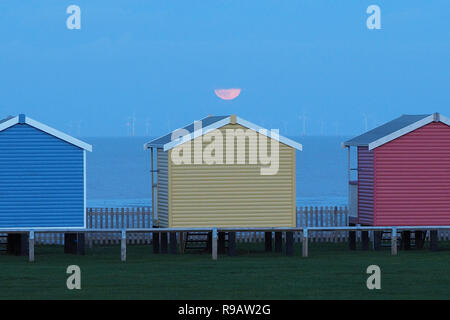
(118, 172)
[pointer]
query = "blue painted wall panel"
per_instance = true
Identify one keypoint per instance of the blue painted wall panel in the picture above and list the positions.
(41, 180)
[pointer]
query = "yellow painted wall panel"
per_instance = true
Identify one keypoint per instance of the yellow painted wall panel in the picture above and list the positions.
(163, 188)
(233, 195)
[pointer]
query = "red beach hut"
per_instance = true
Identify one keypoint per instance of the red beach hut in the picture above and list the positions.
(403, 170)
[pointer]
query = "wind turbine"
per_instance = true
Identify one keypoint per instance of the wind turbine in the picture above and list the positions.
(366, 123)
(131, 124)
(303, 118)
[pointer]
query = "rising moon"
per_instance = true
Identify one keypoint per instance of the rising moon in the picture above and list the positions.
(227, 94)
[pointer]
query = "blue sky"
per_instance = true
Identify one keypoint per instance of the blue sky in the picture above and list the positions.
(162, 60)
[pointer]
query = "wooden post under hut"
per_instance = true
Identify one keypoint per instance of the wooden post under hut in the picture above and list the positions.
(278, 242)
(365, 240)
(433, 240)
(352, 240)
(232, 243)
(155, 242)
(17, 244)
(419, 238)
(377, 236)
(289, 243)
(221, 245)
(173, 243)
(164, 242)
(406, 240)
(268, 241)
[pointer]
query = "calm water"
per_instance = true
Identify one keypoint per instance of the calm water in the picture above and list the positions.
(118, 172)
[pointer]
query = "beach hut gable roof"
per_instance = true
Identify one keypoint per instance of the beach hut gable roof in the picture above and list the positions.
(22, 119)
(395, 129)
(211, 123)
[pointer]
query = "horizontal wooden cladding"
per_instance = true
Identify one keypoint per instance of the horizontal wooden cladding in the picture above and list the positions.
(413, 178)
(223, 195)
(163, 188)
(41, 180)
(365, 185)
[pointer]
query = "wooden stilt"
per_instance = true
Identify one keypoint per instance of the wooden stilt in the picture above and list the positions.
(289, 243)
(221, 246)
(406, 240)
(377, 240)
(365, 240)
(433, 240)
(209, 243)
(278, 242)
(69, 243)
(173, 242)
(164, 242)
(419, 239)
(181, 237)
(17, 244)
(268, 241)
(231, 243)
(155, 242)
(352, 240)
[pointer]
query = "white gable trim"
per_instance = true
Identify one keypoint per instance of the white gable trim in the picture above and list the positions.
(197, 133)
(266, 133)
(225, 121)
(402, 132)
(58, 134)
(47, 129)
(9, 123)
(444, 119)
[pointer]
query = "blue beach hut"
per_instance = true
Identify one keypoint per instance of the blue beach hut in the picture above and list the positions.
(42, 176)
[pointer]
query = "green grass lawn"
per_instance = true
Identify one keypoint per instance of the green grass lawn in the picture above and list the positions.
(330, 272)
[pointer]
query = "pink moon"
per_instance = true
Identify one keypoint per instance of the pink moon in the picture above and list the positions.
(227, 94)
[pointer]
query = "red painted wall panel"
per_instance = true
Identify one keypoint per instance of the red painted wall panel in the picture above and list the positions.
(412, 178)
(365, 185)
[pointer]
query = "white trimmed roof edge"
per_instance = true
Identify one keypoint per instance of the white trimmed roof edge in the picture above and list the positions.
(435, 117)
(223, 122)
(58, 134)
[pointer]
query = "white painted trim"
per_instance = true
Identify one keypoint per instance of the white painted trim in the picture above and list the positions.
(58, 134)
(401, 132)
(444, 119)
(280, 138)
(223, 122)
(197, 133)
(84, 182)
(9, 123)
